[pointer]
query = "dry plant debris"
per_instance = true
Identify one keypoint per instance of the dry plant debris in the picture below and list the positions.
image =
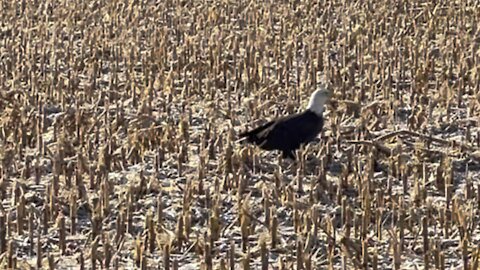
(118, 124)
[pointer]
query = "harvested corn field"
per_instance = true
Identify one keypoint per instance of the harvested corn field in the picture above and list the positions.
(119, 125)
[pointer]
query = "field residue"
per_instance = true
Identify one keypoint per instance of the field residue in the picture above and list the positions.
(119, 123)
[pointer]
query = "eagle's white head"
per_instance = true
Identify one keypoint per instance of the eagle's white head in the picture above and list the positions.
(318, 99)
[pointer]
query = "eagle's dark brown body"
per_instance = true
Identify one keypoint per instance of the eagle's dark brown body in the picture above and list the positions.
(286, 133)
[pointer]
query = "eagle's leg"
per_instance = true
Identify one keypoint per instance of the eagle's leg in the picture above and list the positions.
(289, 154)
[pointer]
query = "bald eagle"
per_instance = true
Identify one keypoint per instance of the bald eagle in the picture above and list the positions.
(289, 132)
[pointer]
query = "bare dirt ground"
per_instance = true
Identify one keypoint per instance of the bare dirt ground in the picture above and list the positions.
(118, 124)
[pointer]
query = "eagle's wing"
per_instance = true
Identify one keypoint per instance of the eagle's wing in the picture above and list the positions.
(257, 130)
(289, 132)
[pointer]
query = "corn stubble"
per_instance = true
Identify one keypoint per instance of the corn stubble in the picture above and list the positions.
(118, 123)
